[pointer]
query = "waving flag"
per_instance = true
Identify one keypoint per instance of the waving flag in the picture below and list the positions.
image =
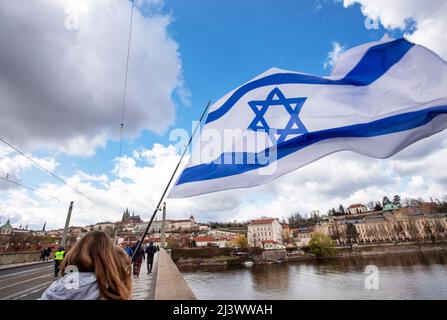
(380, 98)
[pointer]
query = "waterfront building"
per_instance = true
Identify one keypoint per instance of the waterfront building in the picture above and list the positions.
(206, 241)
(301, 236)
(272, 245)
(262, 230)
(356, 208)
(387, 226)
(286, 231)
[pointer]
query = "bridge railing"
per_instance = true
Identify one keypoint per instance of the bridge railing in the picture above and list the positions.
(19, 257)
(169, 283)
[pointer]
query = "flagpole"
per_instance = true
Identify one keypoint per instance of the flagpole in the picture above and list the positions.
(170, 181)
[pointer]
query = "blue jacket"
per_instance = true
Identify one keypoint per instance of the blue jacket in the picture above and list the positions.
(129, 251)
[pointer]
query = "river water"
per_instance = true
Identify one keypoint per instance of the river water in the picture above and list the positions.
(410, 276)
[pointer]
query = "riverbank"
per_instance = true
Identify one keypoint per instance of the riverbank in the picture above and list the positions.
(187, 258)
(382, 250)
(204, 257)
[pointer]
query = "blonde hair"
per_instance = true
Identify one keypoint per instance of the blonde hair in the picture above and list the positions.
(95, 252)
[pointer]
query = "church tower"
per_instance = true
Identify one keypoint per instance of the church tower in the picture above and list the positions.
(126, 215)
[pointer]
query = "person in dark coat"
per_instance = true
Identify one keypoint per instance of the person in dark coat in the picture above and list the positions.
(48, 254)
(137, 260)
(150, 251)
(43, 253)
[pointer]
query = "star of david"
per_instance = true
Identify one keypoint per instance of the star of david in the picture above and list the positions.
(277, 99)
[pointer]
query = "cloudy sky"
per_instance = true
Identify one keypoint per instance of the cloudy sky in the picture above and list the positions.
(62, 67)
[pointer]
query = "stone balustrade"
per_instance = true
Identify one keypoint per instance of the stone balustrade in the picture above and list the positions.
(169, 282)
(18, 257)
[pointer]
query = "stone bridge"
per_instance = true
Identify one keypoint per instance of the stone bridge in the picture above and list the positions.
(23, 277)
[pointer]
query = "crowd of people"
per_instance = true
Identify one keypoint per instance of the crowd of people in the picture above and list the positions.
(139, 255)
(96, 269)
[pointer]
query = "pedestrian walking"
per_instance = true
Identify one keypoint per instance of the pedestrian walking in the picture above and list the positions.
(150, 252)
(102, 271)
(48, 254)
(43, 253)
(58, 257)
(137, 260)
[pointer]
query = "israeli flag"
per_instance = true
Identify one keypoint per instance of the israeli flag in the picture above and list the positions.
(380, 98)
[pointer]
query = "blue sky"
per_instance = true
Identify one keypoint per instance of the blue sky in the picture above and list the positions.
(65, 88)
(225, 43)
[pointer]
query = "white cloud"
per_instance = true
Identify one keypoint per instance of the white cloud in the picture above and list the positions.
(13, 165)
(334, 54)
(61, 88)
(342, 178)
(428, 17)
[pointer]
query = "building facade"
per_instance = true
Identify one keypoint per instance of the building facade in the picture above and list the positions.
(127, 217)
(6, 229)
(260, 230)
(387, 226)
(356, 209)
(301, 236)
(101, 226)
(171, 225)
(272, 245)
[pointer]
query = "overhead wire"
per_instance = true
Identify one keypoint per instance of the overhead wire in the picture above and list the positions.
(28, 186)
(126, 76)
(45, 169)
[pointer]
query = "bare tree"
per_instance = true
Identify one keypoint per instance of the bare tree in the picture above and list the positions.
(351, 233)
(399, 229)
(439, 228)
(429, 231)
(414, 232)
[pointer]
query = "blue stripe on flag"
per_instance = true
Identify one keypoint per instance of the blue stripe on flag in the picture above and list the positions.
(376, 62)
(393, 124)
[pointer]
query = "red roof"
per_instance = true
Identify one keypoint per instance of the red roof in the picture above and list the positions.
(204, 239)
(263, 221)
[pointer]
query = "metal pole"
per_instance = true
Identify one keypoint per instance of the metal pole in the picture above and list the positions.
(163, 228)
(67, 224)
(169, 182)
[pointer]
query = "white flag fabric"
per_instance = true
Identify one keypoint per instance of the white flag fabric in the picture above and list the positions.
(380, 98)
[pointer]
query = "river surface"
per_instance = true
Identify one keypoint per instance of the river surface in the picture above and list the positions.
(410, 276)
